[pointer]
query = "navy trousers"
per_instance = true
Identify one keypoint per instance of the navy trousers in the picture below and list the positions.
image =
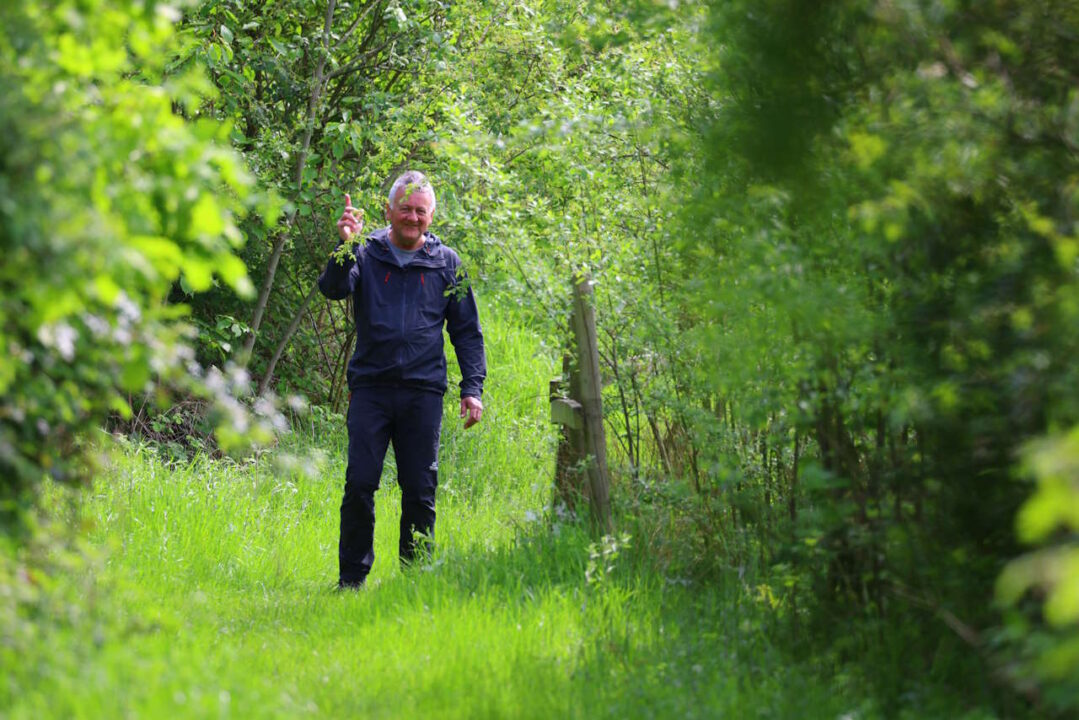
(410, 418)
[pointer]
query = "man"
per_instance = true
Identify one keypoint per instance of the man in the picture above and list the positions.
(404, 284)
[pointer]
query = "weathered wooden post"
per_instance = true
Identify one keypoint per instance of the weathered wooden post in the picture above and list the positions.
(582, 449)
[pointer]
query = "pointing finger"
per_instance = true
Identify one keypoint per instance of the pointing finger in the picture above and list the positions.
(349, 209)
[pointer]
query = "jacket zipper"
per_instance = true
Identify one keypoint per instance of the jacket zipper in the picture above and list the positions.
(404, 284)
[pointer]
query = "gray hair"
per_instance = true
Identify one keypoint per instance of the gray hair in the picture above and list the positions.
(414, 180)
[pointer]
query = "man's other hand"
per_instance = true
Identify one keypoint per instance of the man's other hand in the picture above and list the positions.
(351, 220)
(471, 410)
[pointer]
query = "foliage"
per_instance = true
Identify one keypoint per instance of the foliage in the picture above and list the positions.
(890, 203)
(1048, 647)
(107, 197)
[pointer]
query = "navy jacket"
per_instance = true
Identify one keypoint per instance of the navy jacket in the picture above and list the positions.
(399, 314)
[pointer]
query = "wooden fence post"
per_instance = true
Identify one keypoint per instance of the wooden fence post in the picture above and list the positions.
(583, 444)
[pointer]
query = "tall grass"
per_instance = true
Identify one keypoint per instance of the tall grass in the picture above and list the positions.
(208, 594)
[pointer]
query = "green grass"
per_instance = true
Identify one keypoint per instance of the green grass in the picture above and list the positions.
(208, 594)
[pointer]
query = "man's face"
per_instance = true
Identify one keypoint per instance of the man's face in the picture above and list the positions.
(409, 216)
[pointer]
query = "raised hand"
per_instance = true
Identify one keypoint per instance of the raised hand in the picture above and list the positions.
(351, 220)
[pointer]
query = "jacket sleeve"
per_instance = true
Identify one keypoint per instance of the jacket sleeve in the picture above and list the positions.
(338, 281)
(463, 325)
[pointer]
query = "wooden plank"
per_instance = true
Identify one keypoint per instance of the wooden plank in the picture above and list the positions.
(571, 479)
(567, 412)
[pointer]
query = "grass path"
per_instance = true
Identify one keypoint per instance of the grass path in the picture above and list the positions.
(210, 596)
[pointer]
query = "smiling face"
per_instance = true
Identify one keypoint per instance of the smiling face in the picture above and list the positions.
(409, 217)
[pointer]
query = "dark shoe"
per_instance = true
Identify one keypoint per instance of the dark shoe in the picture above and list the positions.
(351, 585)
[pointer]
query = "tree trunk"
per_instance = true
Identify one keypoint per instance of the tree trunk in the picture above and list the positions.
(267, 376)
(317, 86)
(264, 297)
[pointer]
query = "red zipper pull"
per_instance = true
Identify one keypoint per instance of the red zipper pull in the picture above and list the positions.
(387, 277)
(421, 279)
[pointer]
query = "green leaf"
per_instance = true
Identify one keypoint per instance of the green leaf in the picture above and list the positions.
(206, 217)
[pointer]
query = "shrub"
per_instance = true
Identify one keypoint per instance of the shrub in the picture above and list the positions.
(108, 196)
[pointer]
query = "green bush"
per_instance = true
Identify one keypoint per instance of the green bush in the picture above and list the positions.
(108, 196)
(891, 193)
